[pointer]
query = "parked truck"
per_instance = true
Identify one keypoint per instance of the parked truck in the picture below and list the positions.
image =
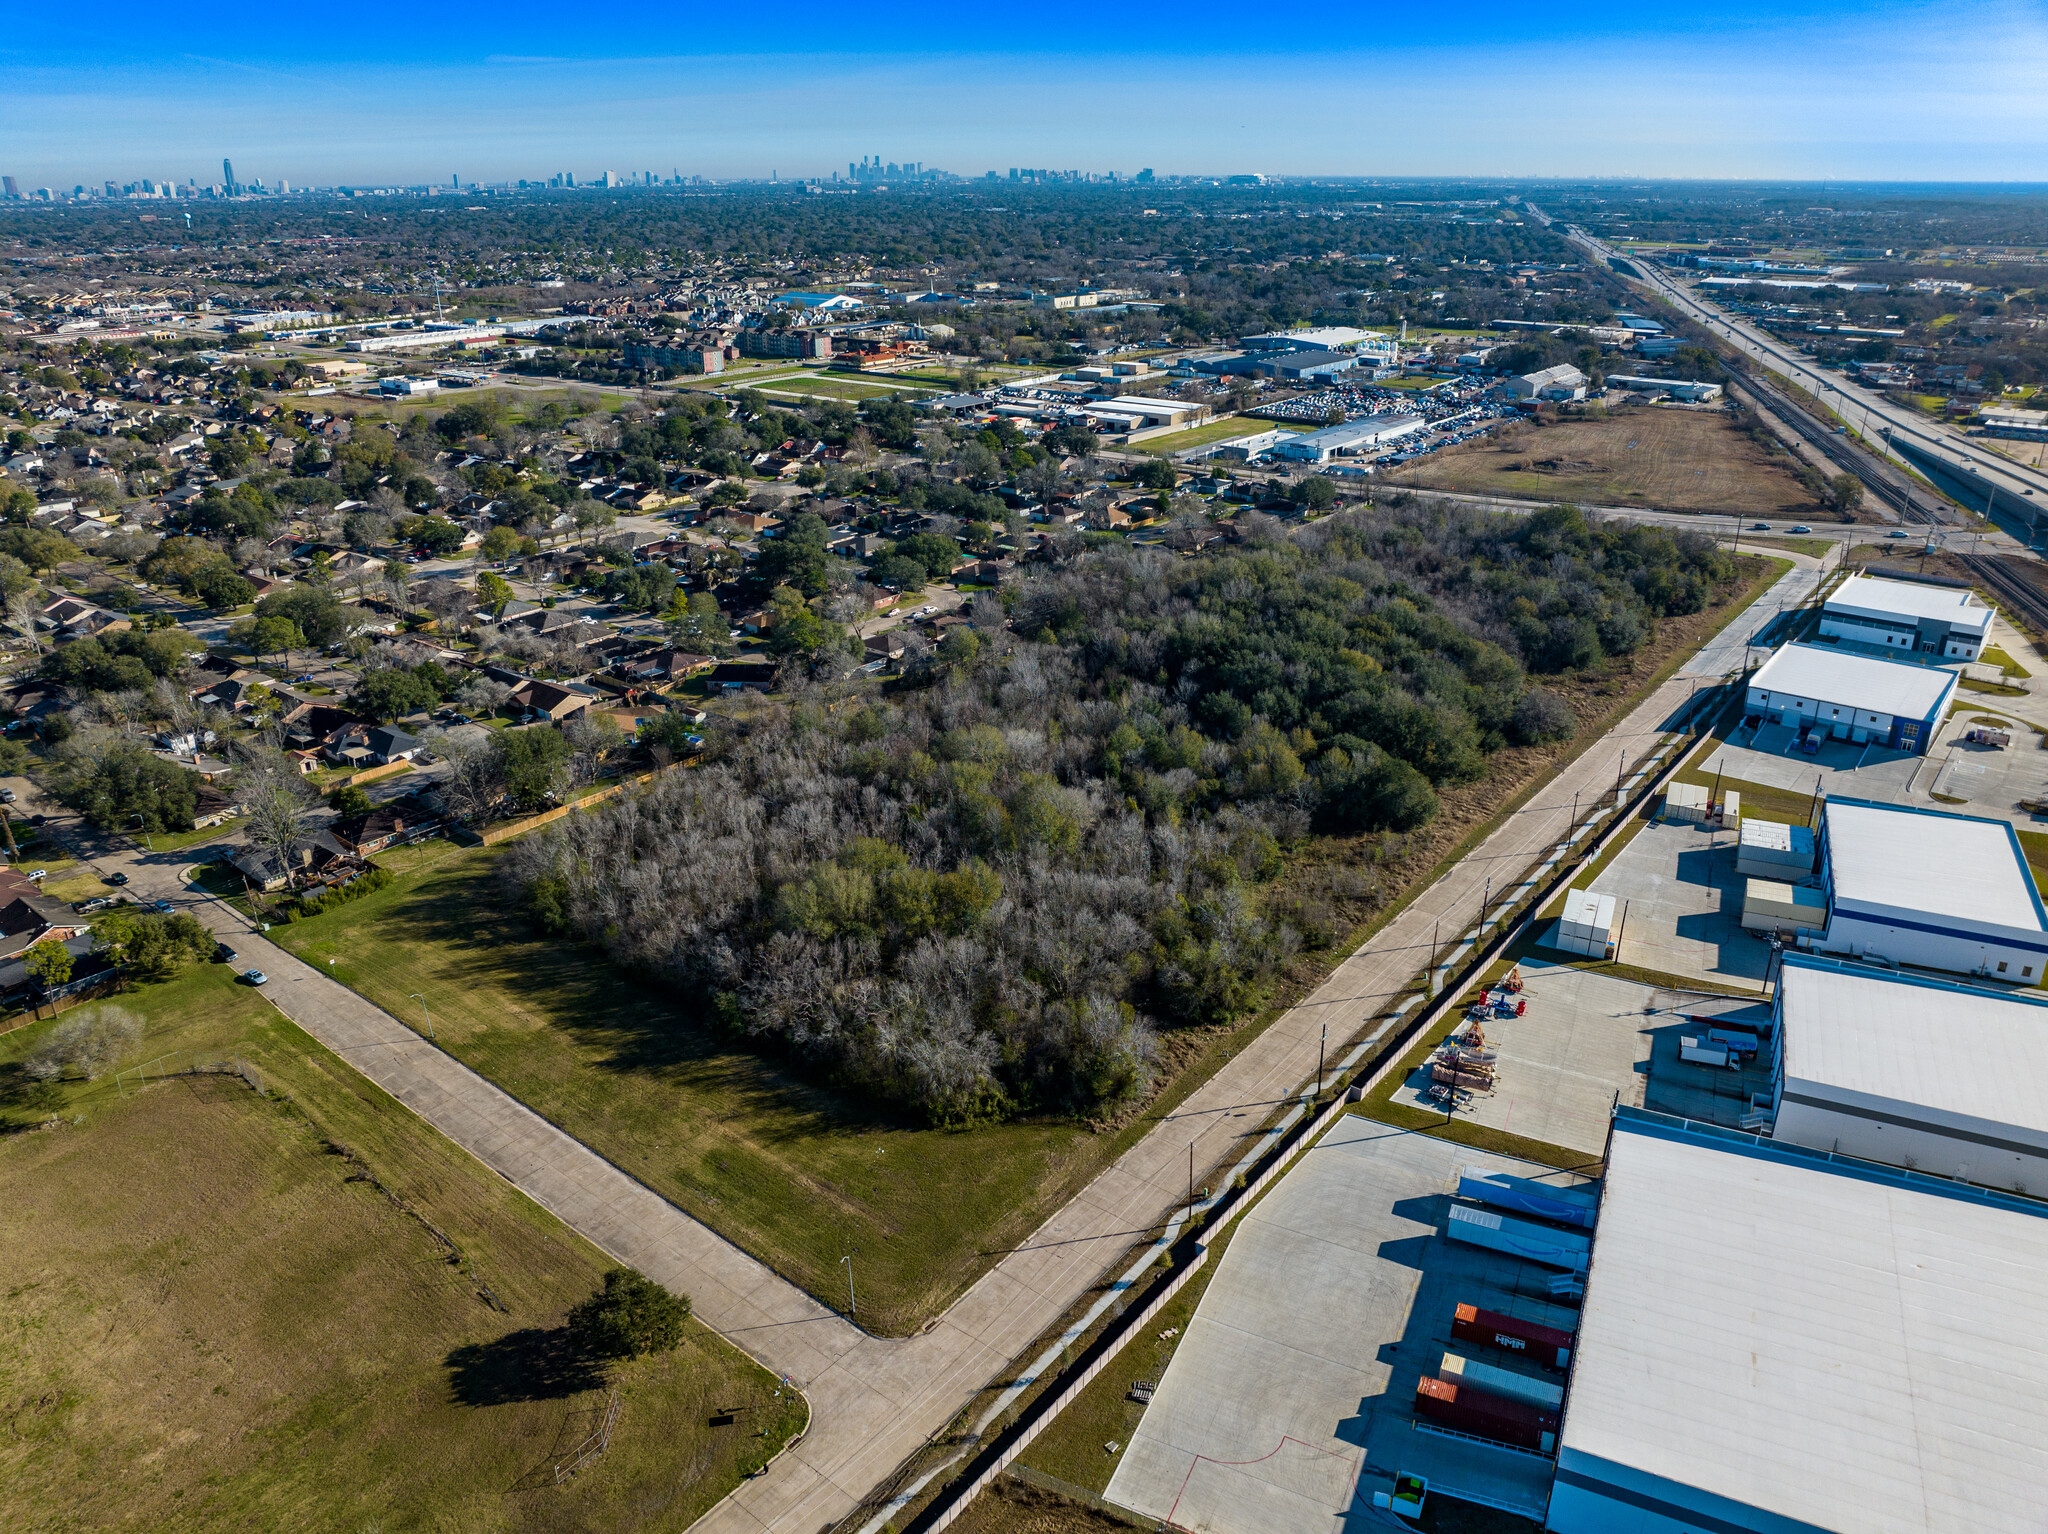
(1544, 1346)
(1519, 1238)
(1484, 1415)
(1542, 1394)
(1568, 1206)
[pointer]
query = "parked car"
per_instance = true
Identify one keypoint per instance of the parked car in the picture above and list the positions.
(87, 907)
(255, 977)
(117, 878)
(6, 796)
(223, 954)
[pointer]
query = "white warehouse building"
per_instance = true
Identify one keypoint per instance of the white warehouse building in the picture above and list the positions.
(1892, 1068)
(1774, 1341)
(1359, 436)
(1914, 886)
(1857, 698)
(1941, 621)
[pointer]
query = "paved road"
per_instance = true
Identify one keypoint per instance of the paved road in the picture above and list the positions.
(876, 1401)
(2024, 489)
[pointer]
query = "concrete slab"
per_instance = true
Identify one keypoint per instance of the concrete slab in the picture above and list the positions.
(1289, 1401)
(1989, 780)
(1768, 756)
(1580, 1044)
(1684, 906)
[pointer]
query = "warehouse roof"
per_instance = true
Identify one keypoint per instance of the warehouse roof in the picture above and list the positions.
(1910, 859)
(1910, 599)
(1914, 1040)
(1824, 674)
(1774, 1336)
(1365, 430)
(1326, 338)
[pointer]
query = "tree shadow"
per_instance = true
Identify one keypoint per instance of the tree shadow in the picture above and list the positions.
(26, 1102)
(526, 1365)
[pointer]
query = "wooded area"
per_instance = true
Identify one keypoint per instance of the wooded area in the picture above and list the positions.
(984, 892)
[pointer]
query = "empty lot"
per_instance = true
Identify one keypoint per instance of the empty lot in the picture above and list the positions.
(1673, 460)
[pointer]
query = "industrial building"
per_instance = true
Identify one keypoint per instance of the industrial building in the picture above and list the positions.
(1777, 1340)
(1686, 389)
(1292, 366)
(1329, 338)
(1561, 382)
(1857, 698)
(2014, 425)
(1893, 1068)
(1912, 886)
(1352, 437)
(411, 340)
(1908, 616)
(1142, 412)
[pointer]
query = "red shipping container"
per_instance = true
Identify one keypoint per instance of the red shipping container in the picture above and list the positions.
(1544, 1345)
(1484, 1415)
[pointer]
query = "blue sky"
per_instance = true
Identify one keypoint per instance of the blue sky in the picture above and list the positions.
(379, 92)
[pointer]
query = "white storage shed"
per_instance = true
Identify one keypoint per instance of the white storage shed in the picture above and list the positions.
(1769, 849)
(1587, 926)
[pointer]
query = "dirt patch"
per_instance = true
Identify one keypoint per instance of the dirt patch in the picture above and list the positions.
(1011, 1507)
(1671, 460)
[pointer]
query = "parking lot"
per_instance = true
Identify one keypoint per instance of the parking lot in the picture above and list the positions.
(1289, 1402)
(1584, 1042)
(1770, 755)
(1681, 900)
(1989, 780)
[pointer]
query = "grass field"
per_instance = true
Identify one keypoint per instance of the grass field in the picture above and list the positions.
(1677, 460)
(1207, 432)
(832, 388)
(215, 1318)
(1410, 385)
(794, 1173)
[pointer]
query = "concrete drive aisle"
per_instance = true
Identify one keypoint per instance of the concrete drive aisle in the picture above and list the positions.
(875, 1401)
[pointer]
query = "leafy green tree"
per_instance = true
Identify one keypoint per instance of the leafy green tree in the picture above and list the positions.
(349, 800)
(37, 549)
(644, 588)
(796, 556)
(221, 589)
(130, 787)
(939, 556)
(1316, 493)
(49, 962)
(630, 1316)
(151, 946)
(318, 612)
(499, 545)
(391, 692)
(898, 571)
(275, 636)
(493, 592)
(535, 764)
(437, 535)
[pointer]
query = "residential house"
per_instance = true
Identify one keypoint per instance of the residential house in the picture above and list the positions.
(737, 676)
(387, 825)
(663, 667)
(535, 700)
(371, 745)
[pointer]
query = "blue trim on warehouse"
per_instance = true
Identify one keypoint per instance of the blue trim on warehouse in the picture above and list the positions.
(1837, 910)
(1692, 1517)
(2012, 841)
(1930, 982)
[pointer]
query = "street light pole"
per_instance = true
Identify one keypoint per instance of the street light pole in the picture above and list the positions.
(852, 1309)
(416, 996)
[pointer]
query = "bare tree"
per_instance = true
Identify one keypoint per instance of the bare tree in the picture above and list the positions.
(274, 802)
(475, 782)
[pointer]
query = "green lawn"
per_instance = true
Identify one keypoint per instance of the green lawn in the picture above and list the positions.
(1209, 431)
(1408, 384)
(793, 1172)
(1994, 656)
(831, 388)
(178, 841)
(217, 1319)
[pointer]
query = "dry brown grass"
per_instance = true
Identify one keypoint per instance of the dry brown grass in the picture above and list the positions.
(1672, 460)
(215, 1320)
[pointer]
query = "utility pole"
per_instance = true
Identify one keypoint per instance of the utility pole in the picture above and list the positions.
(852, 1309)
(1322, 1049)
(1191, 1177)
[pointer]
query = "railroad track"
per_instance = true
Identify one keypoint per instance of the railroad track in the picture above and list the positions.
(2022, 594)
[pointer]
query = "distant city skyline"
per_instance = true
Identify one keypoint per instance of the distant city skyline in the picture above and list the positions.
(1806, 90)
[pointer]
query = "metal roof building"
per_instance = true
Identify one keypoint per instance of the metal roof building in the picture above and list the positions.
(1942, 621)
(1919, 887)
(1772, 1341)
(1859, 698)
(1352, 437)
(1911, 1071)
(1328, 338)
